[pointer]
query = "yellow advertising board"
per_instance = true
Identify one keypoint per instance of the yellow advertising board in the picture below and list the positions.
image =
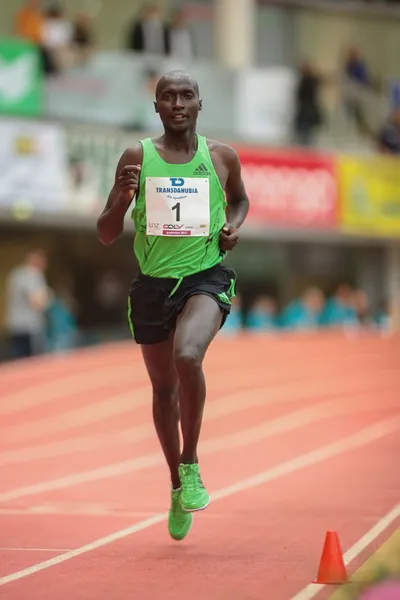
(370, 195)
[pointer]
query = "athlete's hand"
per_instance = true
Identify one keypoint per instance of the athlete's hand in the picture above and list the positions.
(229, 237)
(128, 182)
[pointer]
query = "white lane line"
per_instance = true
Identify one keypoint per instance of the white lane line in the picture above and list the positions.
(45, 392)
(92, 379)
(83, 549)
(311, 590)
(64, 387)
(97, 513)
(288, 422)
(35, 550)
(99, 411)
(41, 510)
(48, 392)
(78, 417)
(95, 357)
(126, 402)
(358, 440)
(224, 405)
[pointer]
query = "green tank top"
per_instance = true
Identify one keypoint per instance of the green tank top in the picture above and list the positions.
(178, 215)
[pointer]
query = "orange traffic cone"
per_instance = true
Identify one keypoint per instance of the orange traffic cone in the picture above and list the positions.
(331, 569)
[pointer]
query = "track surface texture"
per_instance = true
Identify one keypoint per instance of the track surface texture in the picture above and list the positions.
(300, 436)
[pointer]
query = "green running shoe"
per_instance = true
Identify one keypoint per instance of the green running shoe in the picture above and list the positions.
(179, 521)
(194, 495)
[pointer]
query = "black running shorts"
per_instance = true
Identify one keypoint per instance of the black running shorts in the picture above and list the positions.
(154, 303)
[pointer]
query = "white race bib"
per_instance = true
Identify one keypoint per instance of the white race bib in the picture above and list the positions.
(178, 206)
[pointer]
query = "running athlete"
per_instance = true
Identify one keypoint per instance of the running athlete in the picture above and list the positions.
(189, 203)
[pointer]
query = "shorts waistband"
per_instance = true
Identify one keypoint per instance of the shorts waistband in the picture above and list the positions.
(172, 281)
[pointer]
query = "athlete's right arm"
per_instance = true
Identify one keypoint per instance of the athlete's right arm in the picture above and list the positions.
(110, 224)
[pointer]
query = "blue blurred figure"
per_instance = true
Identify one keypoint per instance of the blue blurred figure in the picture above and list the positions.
(340, 310)
(381, 317)
(262, 315)
(61, 323)
(305, 312)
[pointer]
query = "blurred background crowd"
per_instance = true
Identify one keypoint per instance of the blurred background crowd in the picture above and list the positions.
(308, 91)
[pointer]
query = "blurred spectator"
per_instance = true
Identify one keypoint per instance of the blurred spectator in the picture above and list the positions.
(339, 311)
(27, 298)
(357, 80)
(57, 39)
(262, 314)
(362, 308)
(29, 22)
(180, 37)
(304, 313)
(62, 328)
(308, 112)
(149, 33)
(381, 316)
(355, 67)
(389, 136)
(82, 37)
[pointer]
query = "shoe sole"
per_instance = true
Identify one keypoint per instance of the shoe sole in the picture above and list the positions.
(192, 510)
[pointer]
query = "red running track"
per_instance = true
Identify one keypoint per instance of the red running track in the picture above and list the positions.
(301, 435)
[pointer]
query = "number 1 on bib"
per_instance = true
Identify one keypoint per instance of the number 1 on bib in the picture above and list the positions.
(177, 207)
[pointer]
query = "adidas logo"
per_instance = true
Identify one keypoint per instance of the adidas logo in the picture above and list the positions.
(201, 170)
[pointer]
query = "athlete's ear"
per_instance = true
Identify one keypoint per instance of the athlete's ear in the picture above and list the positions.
(155, 107)
(200, 104)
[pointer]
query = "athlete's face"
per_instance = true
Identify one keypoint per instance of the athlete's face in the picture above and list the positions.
(178, 104)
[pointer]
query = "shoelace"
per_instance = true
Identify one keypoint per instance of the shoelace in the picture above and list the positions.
(192, 479)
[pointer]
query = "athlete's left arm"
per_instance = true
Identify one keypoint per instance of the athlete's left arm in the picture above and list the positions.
(236, 197)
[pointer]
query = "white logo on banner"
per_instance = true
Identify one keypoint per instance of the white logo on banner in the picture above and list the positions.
(16, 78)
(33, 166)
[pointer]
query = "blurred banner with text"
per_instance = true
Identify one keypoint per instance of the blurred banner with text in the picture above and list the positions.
(370, 195)
(290, 188)
(57, 169)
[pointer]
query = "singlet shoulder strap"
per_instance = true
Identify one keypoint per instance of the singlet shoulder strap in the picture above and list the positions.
(204, 150)
(202, 142)
(148, 147)
(150, 154)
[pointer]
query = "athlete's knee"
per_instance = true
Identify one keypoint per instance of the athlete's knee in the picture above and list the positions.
(165, 395)
(188, 359)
